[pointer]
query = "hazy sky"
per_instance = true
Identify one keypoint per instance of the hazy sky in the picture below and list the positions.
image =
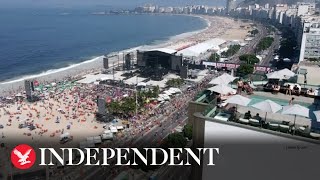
(94, 3)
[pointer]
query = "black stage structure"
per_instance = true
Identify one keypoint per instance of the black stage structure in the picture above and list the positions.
(156, 63)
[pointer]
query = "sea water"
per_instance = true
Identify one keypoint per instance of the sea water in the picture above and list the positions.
(39, 40)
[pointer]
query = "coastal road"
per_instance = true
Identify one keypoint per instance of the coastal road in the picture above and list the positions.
(275, 45)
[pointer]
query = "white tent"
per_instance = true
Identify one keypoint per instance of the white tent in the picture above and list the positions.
(119, 127)
(167, 93)
(176, 90)
(113, 129)
(171, 91)
(164, 96)
(19, 95)
(142, 84)
(222, 89)
(223, 79)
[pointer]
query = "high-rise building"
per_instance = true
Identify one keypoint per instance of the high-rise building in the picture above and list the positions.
(310, 40)
(231, 4)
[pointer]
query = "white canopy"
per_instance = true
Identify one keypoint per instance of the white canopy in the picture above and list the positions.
(19, 95)
(164, 96)
(176, 90)
(113, 129)
(282, 74)
(239, 100)
(222, 89)
(267, 106)
(223, 79)
(167, 93)
(171, 91)
(119, 127)
(296, 109)
(142, 84)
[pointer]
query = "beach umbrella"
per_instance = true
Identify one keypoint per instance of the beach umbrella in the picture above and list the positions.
(295, 110)
(223, 79)
(267, 106)
(222, 89)
(317, 114)
(281, 74)
(238, 100)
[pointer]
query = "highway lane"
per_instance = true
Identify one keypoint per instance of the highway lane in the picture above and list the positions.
(275, 45)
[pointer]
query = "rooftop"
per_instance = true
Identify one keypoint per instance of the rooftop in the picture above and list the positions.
(245, 149)
(164, 50)
(203, 47)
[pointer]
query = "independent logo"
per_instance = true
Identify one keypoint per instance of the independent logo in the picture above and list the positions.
(23, 156)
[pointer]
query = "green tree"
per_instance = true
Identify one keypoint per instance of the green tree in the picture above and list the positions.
(175, 140)
(245, 69)
(187, 131)
(264, 44)
(175, 82)
(254, 32)
(214, 57)
(232, 50)
(156, 91)
(249, 58)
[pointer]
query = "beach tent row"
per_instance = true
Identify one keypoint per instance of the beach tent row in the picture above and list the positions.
(203, 47)
(166, 94)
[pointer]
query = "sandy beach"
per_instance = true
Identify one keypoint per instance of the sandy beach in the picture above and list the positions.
(221, 27)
